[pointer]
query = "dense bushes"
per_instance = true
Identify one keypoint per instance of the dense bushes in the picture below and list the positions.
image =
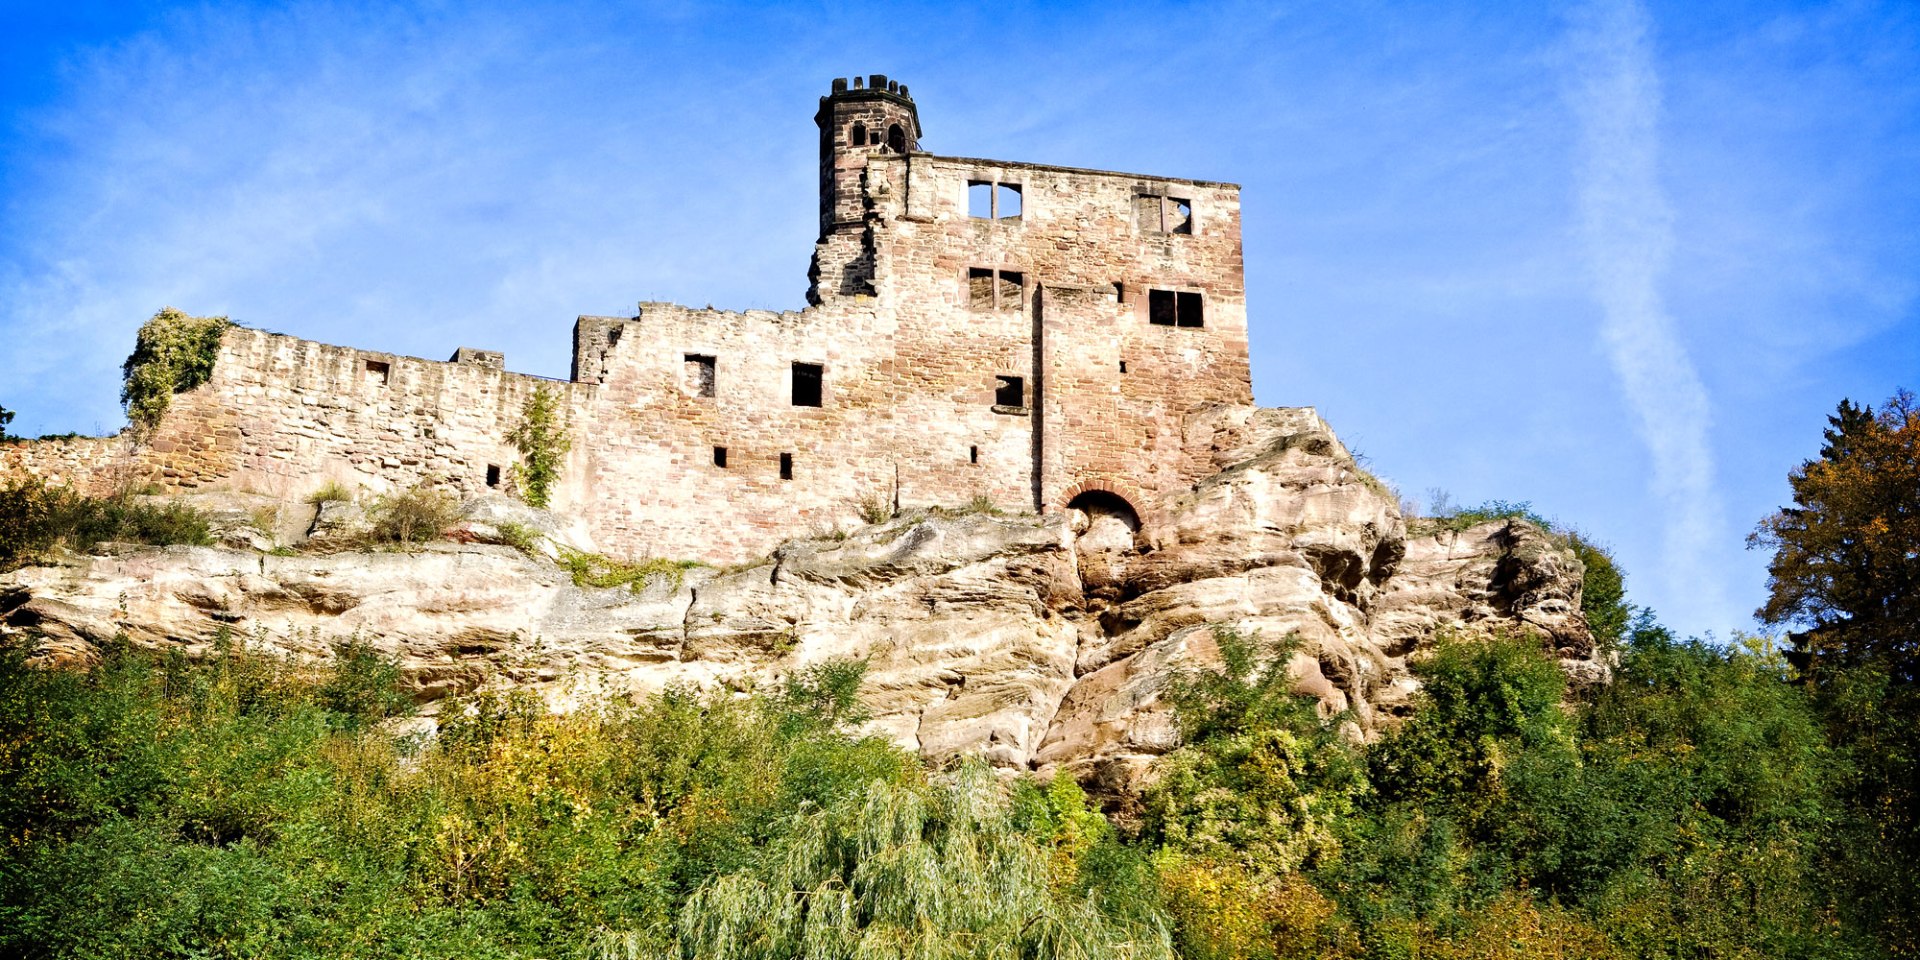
(172, 353)
(35, 517)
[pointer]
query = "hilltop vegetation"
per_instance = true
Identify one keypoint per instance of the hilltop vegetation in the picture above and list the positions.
(1748, 800)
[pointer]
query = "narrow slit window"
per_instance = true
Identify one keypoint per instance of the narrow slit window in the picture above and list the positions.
(786, 466)
(807, 379)
(720, 457)
(1012, 392)
(378, 372)
(1006, 201)
(973, 454)
(980, 199)
(1123, 366)
(1161, 309)
(700, 375)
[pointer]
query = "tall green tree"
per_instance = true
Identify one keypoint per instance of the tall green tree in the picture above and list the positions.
(1846, 563)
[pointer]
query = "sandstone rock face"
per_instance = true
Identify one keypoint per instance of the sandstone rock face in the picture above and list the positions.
(1038, 642)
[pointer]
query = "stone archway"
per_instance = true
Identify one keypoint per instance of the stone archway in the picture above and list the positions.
(1104, 520)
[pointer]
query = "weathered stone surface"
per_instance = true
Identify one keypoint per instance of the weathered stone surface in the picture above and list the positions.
(1039, 642)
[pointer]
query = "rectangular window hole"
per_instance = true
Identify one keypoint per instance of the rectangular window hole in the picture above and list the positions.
(1190, 310)
(980, 199)
(720, 457)
(1008, 290)
(807, 379)
(786, 466)
(1123, 366)
(979, 288)
(1012, 392)
(493, 474)
(700, 375)
(378, 371)
(1006, 199)
(973, 454)
(1161, 308)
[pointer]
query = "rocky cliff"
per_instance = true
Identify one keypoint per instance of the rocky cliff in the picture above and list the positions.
(1039, 642)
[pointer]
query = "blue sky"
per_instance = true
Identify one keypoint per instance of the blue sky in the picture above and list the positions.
(1613, 259)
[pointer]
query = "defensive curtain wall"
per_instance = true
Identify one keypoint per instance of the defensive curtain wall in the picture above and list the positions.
(976, 328)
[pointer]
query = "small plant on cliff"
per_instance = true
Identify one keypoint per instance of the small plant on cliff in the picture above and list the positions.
(172, 353)
(875, 509)
(330, 492)
(414, 516)
(541, 437)
(594, 570)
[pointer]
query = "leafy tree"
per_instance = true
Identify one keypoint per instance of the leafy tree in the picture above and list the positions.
(1846, 563)
(6, 417)
(541, 437)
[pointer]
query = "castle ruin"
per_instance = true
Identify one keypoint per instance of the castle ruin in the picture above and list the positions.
(1028, 334)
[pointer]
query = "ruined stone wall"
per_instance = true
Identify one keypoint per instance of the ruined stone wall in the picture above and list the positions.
(283, 415)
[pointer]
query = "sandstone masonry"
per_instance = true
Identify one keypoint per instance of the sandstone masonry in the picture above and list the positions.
(1028, 334)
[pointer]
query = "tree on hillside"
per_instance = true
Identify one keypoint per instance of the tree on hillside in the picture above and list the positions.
(6, 417)
(1846, 564)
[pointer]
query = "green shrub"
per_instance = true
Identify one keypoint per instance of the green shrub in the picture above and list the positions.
(333, 491)
(594, 570)
(541, 437)
(874, 509)
(36, 516)
(519, 536)
(172, 353)
(413, 516)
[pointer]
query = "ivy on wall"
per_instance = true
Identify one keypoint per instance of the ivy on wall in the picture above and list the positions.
(172, 353)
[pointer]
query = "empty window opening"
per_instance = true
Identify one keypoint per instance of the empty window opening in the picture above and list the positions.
(896, 139)
(1168, 308)
(1153, 213)
(1161, 307)
(700, 375)
(1006, 201)
(806, 384)
(1123, 366)
(1012, 392)
(859, 134)
(1119, 291)
(989, 289)
(786, 466)
(973, 454)
(720, 457)
(493, 474)
(378, 372)
(1190, 310)
(980, 199)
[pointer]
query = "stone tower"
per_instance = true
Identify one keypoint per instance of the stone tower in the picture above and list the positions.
(861, 118)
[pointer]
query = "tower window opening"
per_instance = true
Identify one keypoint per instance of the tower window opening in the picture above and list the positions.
(1012, 392)
(378, 372)
(807, 378)
(993, 200)
(1006, 201)
(1170, 308)
(980, 199)
(990, 289)
(700, 375)
(1157, 213)
(786, 466)
(859, 134)
(720, 457)
(896, 139)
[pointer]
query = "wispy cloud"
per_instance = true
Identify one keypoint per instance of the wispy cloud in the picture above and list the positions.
(1627, 228)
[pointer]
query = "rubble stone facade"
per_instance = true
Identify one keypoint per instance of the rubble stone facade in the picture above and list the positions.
(1022, 333)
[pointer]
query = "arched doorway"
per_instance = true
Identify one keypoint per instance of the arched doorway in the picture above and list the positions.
(1103, 520)
(896, 139)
